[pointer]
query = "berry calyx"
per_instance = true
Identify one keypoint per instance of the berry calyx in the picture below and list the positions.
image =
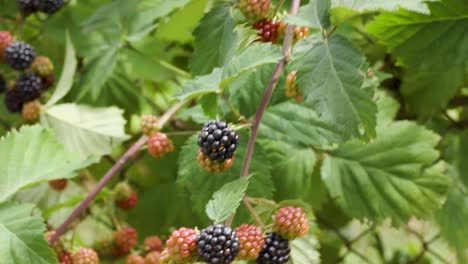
(275, 251)
(31, 110)
(153, 257)
(19, 55)
(50, 6)
(85, 256)
(292, 88)
(134, 259)
(125, 239)
(255, 9)
(65, 257)
(125, 197)
(153, 243)
(28, 6)
(5, 40)
(42, 66)
(29, 86)
(251, 241)
(213, 166)
(267, 30)
(291, 222)
(13, 101)
(218, 141)
(218, 244)
(59, 184)
(159, 144)
(182, 244)
(149, 124)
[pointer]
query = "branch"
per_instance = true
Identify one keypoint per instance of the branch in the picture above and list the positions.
(112, 171)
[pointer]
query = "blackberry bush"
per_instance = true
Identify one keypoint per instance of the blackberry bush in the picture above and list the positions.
(218, 244)
(19, 55)
(218, 141)
(275, 251)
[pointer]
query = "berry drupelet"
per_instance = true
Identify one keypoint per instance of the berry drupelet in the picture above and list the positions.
(218, 244)
(275, 251)
(19, 55)
(218, 141)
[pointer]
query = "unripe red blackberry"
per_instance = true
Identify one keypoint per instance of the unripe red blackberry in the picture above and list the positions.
(57, 246)
(251, 241)
(218, 141)
(42, 66)
(153, 243)
(19, 55)
(149, 124)
(291, 222)
(126, 237)
(299, 32)
(28, 6)
(85, 256)
(50, 6)
(213, 166)
(48, 81)
(65, 257)
(125, 197)
(29, 86)
(31, 110)
(182, 244)
(134, 259)
(59, 184)
(5, 40)
(267, 30)
(153, 257)
(218, 244)
(275, 251)
(159, 144)
(255, 9)
(165, 258)
(3, 84)
(13, 101)
(292, 88)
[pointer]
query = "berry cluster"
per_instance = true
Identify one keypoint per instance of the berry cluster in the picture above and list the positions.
(64, 256)
(218, 143)
(46, 6)
(36, 75)
(267, 30)
(159, 144)
(125, 238)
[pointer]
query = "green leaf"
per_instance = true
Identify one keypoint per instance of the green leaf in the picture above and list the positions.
(22, 235)
(215, 40)
(433, 79)
(201, 85)
(33, 155)
(387, 109)
(463, 159)
(226, 200)
(86, 130)
(304, 250)
(330, 79)
(298, 124)
(315, 14)
(373, 5)
(386, 178)
(66, 79)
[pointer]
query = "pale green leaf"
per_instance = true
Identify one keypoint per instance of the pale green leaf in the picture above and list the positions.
(33, 155)
(22, 236)
(386, 177)
(315, 14)
(304, 250)
(374, 5)
(226, 200)
(86, 130)
(201, 85)
(66, 79)
(215, 40)
(330, 78)
(387, 109)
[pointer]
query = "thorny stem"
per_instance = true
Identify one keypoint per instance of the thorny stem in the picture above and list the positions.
(112, 171)
(266, 99)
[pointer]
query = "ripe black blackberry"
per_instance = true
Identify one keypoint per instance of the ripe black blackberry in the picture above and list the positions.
(218, 244)
(275, 251)
(218, 141)
(28, 6)
(50, 6)
(29, 86)
(19, 55)
(3, 84)
(13, 101)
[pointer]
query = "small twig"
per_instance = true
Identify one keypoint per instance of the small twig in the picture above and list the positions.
(261, 200)
(253, 212)
(328, 35)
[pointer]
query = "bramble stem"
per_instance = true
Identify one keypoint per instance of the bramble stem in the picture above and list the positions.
(112, 171)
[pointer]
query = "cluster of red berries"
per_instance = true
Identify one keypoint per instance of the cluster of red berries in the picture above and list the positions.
(159, 144)
(36, 75)
(268, 30)
(46, 6)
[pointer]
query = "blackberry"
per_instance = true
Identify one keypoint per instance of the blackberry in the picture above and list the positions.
(126, 237)
(29, 86)
(65, 257)
(267, 30)
(218, 141)
(85, 256)
(5, 40)
(31, 111)
(181, 245)
(13, 101)
(50, 6)
(3, 84)
(153, 257)
(251, 241)
(149, 124)
(134, 259)
(291, 222)
(19, 55)
(125, 197)
(275, 251)
(48, 81)
(213, 166)
(159, 144)
(255, 9)
(28, 6)
(42, 66)
(218, 244)
(153, 243)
